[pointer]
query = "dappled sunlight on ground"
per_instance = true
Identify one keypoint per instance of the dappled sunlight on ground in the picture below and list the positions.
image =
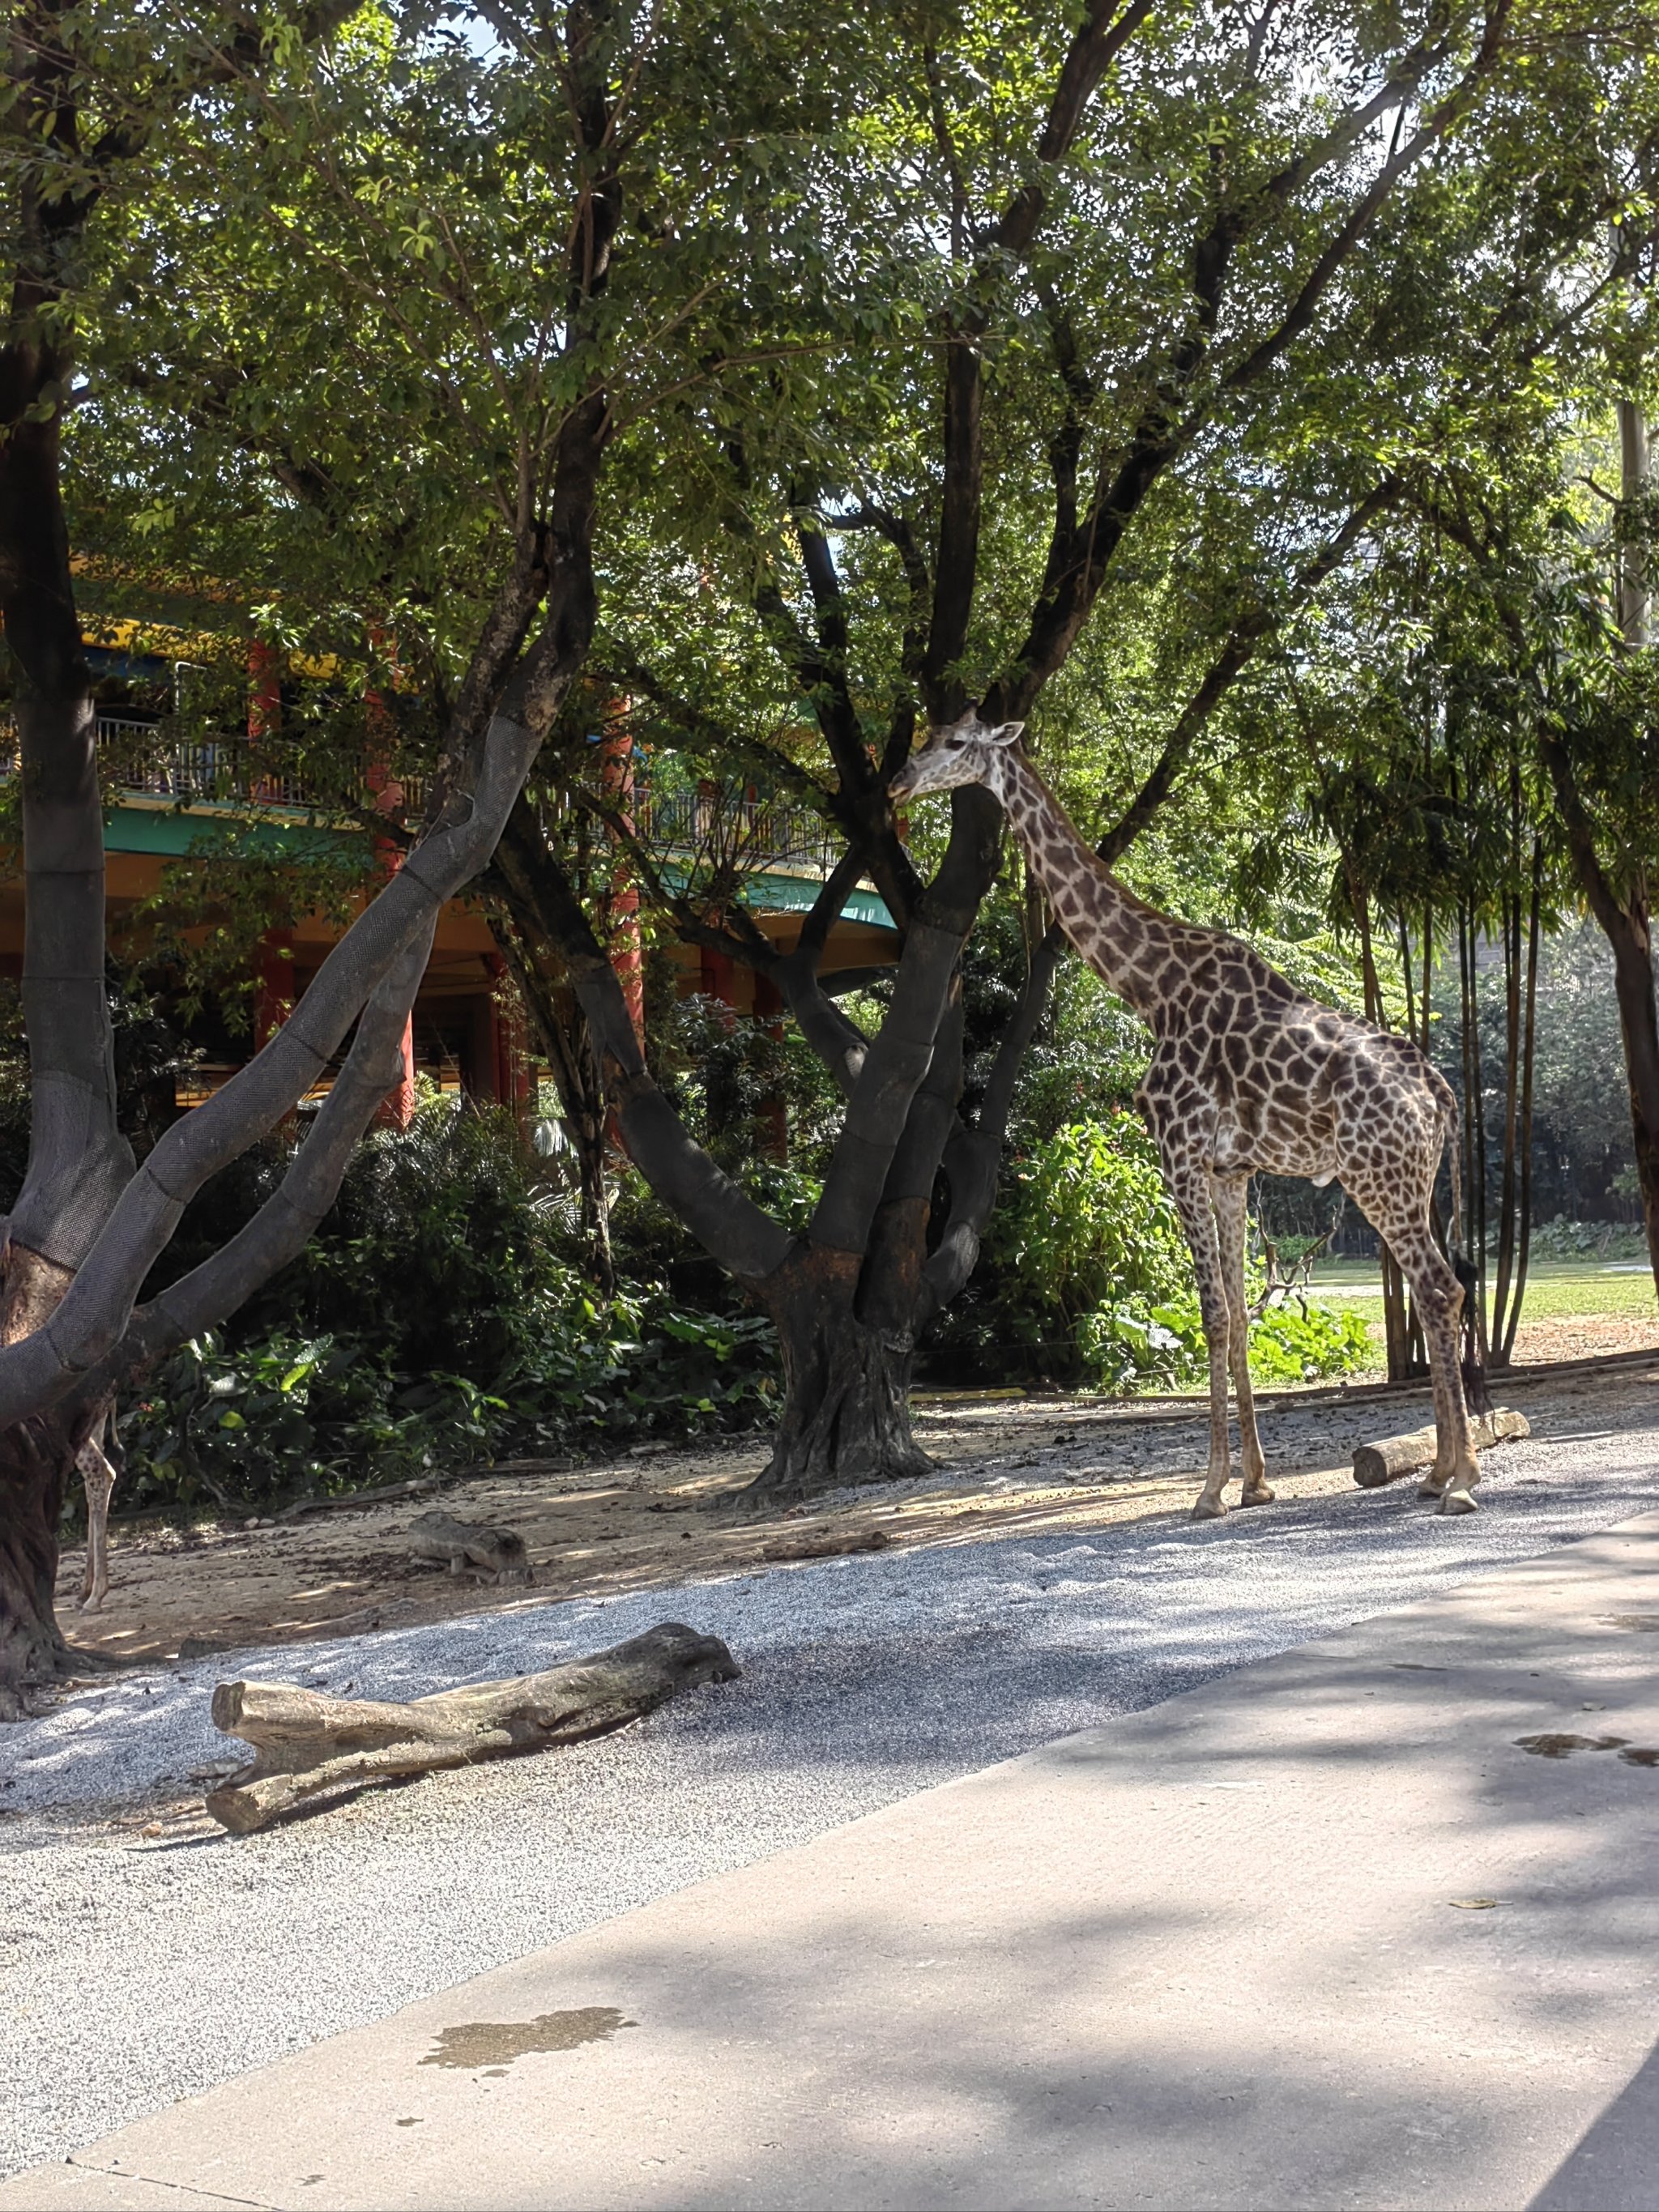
(1007, 1465)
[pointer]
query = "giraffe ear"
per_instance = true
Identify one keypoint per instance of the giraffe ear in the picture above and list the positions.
(1008, 733)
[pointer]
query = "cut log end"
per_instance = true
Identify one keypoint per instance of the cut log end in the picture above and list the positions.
(309, 1746)
(1390, 1458)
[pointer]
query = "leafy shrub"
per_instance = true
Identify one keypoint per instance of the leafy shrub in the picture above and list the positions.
(437, 1319)
(1086, 1278)
(1562, 1239)
(1302, 1343)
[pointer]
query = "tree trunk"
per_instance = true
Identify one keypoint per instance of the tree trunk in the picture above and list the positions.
(78, 1163)
(1633, 981)
(35, 1457)
(846, 1415)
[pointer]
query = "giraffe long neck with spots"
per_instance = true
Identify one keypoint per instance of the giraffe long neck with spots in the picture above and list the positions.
(1124, 940)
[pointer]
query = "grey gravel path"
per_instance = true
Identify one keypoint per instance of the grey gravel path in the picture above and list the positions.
(133, 1973)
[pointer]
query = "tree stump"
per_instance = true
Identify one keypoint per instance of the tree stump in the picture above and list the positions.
(494, 1555)
(307, 1744)
(1392, 1456)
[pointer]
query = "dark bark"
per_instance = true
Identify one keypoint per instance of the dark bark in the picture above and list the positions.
(36, 1460)
(1627, 930)
(1529, 1060)
(78, 1161)
(1624, 919)
(847, 1403)
(745, 1241)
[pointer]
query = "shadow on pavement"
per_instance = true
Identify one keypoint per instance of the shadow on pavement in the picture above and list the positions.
(1616, 2167)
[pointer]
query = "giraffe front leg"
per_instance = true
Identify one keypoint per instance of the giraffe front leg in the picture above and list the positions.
(1231, 1196)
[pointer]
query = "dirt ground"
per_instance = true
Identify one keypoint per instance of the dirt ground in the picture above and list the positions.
(654, 1516)
(1581, 1336)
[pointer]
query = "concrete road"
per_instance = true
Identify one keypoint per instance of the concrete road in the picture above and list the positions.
(1373, 1923)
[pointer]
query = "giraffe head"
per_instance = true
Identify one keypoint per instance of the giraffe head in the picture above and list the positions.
(965, 751)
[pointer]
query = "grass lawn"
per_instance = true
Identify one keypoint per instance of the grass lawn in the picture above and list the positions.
(1556, 1288)
(1573, 1309)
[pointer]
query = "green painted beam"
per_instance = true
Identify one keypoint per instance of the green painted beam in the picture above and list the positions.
(175, 832)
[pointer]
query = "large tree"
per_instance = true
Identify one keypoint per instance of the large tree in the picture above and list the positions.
(1180, 312)
(458, 225)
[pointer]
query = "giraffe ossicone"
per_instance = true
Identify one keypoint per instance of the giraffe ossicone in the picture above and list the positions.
(1248, 1076)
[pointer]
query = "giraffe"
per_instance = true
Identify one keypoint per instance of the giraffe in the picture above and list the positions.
(98, 1473)
(1246, 1075)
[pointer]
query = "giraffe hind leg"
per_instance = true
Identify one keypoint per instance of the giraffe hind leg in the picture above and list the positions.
(1438, 1298)
(1230, 1196)
(98, 1479)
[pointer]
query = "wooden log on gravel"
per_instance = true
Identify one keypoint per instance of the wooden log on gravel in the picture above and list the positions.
(827, 1543)
(1390, 1458)
(307, 1745)
(493, 1555)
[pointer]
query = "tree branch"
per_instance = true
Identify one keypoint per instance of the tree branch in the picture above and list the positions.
(721, 1215)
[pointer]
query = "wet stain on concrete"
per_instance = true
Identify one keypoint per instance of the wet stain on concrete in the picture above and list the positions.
(1640, 1754)
(1645, 1623)
(1562, 1747)
(494, 2043)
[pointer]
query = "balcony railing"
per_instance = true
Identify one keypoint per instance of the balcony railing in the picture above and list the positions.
(730, 830)
(725, 831)
(150, 761)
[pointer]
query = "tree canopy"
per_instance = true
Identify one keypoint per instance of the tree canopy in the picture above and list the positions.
(1224, 394)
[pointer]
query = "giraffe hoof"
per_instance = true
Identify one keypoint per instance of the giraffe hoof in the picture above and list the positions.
(1209, 1509)
(1459, 1501)
(1433, 1486)
(1257, 1493)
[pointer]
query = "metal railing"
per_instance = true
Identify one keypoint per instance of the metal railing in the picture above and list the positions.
(730, 830)
(727, 830)
(150, 761)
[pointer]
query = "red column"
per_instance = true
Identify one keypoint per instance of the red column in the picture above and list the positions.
(273, 997)
(265, 690)
(717, 978)
(622, 908)
(509, 1056)
(397, 1109)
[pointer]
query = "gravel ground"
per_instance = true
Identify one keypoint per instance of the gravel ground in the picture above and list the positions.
(135, 1971)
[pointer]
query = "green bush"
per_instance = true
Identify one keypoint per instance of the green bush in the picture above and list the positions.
(1300, 1344)
(1086, 1279)
(437, 1319)
(1562, 1239)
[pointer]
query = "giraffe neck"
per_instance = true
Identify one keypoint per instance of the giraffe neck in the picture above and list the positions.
(1124, 940)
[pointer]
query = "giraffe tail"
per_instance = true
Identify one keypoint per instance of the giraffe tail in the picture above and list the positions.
(1476, 1395)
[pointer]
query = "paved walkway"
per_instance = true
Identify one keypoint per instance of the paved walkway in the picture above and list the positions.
(1322, 1933)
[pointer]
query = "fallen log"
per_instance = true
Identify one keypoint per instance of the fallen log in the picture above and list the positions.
(494, 1555)
(307, 1744)
(826, 1544)
(1390, 1458)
